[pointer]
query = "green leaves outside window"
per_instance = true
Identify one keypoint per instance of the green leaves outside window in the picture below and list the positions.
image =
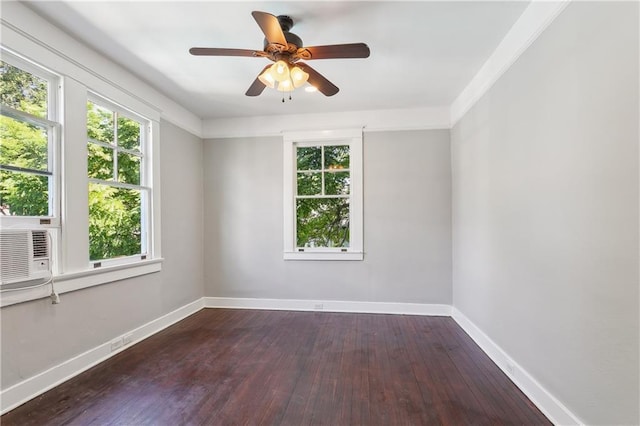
(114, 222)
(322, 192)
(26, 172)
(322, 222)
(115, 163)
(23, 91)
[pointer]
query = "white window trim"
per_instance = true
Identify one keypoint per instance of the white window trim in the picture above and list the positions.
(352, 137)
(66, 283)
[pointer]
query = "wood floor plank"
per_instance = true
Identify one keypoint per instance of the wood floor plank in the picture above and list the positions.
(247, 367)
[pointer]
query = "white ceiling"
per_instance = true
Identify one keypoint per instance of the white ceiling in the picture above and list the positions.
(423, 53)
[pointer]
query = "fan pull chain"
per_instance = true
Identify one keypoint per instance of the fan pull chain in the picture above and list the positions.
(292, 88)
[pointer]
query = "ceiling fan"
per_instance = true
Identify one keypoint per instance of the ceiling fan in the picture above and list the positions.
(286, 50)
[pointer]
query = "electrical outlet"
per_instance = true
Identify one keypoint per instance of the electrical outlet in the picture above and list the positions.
(318, 306)
(127, 338)
(116, 344)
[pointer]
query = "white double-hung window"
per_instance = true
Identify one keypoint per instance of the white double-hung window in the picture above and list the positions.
(29, 144)
(323, 195)
(119, 184)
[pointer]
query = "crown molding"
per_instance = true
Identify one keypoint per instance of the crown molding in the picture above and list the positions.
(370, 121)
(34, 38)
(533, 21)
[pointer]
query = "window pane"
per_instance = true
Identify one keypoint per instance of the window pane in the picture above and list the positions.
(114, 222)
(100, 162)
(336, 157)
(336, 183)
(309, 183)
(23, 145)
(23, 91)
(128, 133)
(128, 168)
(322, 222)
(99, 123)
(23, 194)
(309, 158)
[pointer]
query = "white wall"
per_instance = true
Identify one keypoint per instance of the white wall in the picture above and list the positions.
(38, 335)
(545, 212)
(182, 216)
(407, 222)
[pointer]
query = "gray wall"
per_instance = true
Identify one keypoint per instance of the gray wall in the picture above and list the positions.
(407, 224)
(38, 335)
(545, 212)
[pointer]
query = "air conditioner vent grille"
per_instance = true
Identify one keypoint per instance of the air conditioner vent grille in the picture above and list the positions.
(40, 245)
(14, 256)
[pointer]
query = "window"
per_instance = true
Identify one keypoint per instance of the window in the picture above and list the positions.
(43, 108)
(29, 193)
(119, 186)
(323, 195)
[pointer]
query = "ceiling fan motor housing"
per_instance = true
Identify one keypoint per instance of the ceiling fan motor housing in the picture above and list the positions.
(286, 23)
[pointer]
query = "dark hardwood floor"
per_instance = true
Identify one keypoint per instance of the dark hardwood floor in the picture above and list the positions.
(242, 367)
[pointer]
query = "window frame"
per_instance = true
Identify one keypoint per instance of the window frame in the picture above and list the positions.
(53, 125)
(146, 179)
(352, 138)
(71, 268)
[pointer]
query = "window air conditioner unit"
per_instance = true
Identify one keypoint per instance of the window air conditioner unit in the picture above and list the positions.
(25, 256)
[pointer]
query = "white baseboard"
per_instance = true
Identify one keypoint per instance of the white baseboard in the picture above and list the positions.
(22, 392)
(328, 306)
(42, 382)
(545, 401)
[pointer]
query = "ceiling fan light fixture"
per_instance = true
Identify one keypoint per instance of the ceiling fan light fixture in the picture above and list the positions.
(280, 71)
(267, 79)
(285, 86)
(298, 77)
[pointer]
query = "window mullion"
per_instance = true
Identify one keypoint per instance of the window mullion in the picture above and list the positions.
(145, 156)
(25, 116)
(119, 184)
(130, 152)
(321, 197)
(24, 170)
(102, 144)
(115, 144)
(322, 167)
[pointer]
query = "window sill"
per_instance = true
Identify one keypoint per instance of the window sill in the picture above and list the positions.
(65, 283)
(318, 255)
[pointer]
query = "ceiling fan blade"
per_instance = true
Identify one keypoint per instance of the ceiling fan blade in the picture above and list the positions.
(257, 86)
(270, 27)
(352, 50)
(317, 80)
(214, 51)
